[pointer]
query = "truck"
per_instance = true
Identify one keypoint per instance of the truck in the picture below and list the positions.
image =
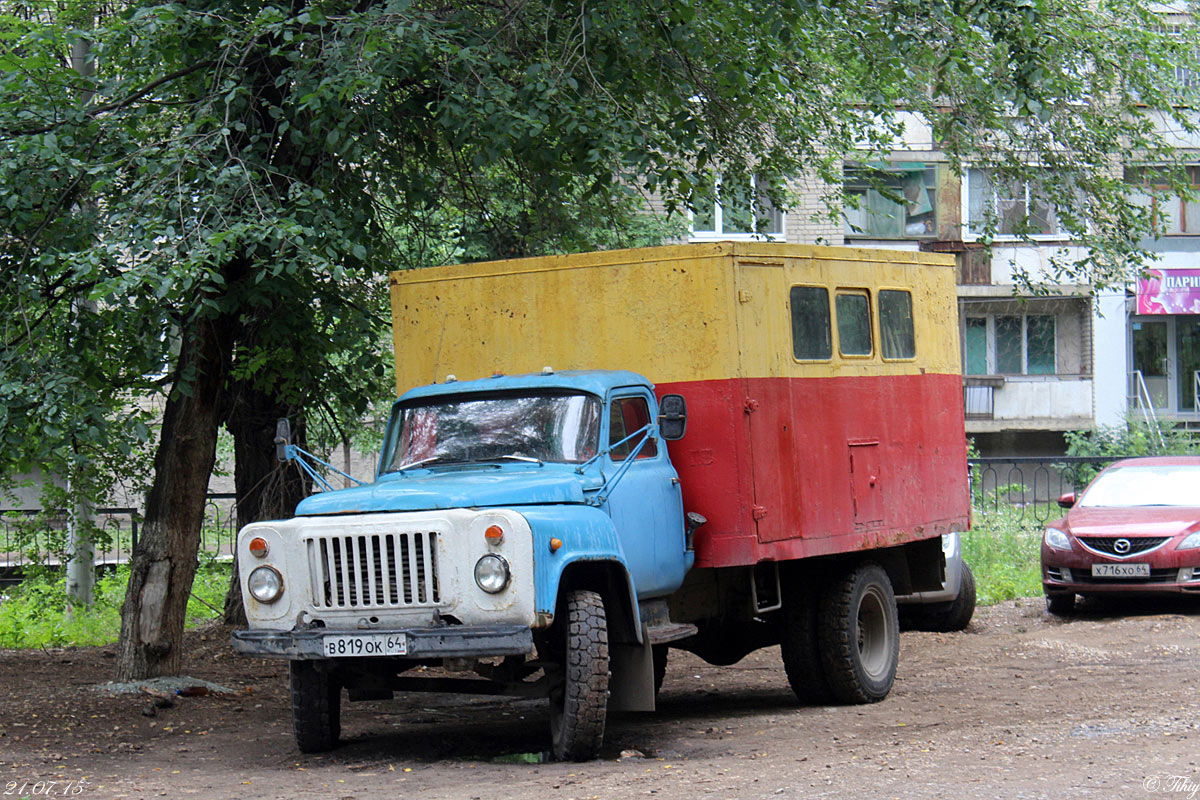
(596, 458)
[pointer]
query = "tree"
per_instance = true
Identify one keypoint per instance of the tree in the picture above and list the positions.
(244, 174)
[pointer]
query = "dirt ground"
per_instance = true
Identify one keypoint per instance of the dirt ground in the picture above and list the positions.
(1021, 705)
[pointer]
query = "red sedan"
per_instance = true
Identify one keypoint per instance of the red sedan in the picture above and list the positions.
(1136, 528)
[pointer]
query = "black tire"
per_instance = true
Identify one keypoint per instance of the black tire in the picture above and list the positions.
(1060, 604)
(659, 652)
(799, 647)
(316, 707)
(859, 635)
(958, 615)
(579, 704)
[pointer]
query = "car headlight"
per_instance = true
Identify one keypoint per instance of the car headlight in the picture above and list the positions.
(1057, 539)
(265, 584)
(491, 573)
(1190, 543)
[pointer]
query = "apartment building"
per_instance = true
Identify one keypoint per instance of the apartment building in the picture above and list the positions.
(1035, 365)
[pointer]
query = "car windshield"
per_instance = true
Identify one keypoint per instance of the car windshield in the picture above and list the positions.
(1149, 485)
(525, 426)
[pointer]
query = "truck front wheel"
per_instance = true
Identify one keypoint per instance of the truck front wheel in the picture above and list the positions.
(316, 707)
(859, 635)
(659, 654)
(579, 703)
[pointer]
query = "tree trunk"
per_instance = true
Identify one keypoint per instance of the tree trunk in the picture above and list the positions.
(164, 562)
(266, 487)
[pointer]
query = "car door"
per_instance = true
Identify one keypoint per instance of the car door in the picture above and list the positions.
(646, 505)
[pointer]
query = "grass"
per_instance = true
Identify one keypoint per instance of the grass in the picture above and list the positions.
(35, 613)
(1003, 549)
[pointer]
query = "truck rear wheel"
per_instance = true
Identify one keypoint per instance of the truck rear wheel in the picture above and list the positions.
(799, 647)
(579, 704)
(859, 635)
(316, 707)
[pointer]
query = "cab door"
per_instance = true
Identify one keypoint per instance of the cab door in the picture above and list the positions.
(646, 505)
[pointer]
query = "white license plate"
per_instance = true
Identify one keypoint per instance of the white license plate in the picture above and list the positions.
(1120, 570)
(349, 645)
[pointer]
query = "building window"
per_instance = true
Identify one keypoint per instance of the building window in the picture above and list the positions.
(895, 202)
(737, 208)
(1010, 207)
(853, 323)
(896, 324)
(1173, 215)
(811, 334)
(1010, 345)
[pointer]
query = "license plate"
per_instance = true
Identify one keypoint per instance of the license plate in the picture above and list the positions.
(348, 645)
(1120, 570)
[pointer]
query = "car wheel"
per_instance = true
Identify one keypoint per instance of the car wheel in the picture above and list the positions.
(958, 615)
(579, 704)
(1060, 604)
(859, 635)
(316, 707)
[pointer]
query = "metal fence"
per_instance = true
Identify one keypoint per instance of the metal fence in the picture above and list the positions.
(1030, 486)
(29, 537)
(1027, 486)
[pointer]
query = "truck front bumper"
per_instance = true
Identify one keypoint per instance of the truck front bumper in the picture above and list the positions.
(451, 642)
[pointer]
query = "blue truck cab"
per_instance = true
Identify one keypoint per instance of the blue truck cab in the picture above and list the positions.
(525, 528)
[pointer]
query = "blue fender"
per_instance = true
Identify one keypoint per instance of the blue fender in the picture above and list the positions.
(589, 539)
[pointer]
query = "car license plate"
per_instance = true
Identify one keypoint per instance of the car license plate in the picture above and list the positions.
(347, 645)
(1120, 570)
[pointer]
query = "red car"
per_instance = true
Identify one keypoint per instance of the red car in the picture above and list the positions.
(1136, 528)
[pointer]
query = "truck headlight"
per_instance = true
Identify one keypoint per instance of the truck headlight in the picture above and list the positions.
(265, 584)
(491, 573)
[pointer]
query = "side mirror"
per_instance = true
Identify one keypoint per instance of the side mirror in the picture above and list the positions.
(283, 438)
(1067, 500)
(672, 417)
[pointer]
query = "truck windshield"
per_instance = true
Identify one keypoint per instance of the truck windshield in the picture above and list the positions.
(546, 427)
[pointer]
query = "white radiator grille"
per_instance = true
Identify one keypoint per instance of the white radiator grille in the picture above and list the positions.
(373, 570)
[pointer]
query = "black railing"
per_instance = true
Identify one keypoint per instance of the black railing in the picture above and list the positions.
(1030, 486)
(1026, 486)
(29, 537)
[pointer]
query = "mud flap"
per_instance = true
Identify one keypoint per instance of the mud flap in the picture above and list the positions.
(631, 687)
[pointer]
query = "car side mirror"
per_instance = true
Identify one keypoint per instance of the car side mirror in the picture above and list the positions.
(672, 417)
(283, 438)
(1067, 500)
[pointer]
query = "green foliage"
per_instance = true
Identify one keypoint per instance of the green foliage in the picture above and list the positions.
(255, 168)
(1132, 439)
(265, 164)
(1003, 548)
(34, 613)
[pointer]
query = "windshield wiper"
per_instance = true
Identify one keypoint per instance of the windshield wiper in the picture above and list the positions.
(432, 459)
(519, 457)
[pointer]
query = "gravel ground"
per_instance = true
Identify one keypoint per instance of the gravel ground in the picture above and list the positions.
(1021, 705)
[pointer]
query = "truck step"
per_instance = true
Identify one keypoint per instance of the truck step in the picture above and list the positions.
(671, 632)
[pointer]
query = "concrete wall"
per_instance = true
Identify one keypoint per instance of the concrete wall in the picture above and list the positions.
(1052, 402)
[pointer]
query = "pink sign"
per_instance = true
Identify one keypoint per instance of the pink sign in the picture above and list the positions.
(1169, 291)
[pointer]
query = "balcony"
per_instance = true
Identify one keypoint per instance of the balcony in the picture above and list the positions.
(1027, 402)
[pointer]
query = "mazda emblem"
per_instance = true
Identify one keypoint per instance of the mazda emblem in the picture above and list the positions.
(1121, 546)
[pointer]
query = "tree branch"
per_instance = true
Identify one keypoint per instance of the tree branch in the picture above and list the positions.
(128, 100)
